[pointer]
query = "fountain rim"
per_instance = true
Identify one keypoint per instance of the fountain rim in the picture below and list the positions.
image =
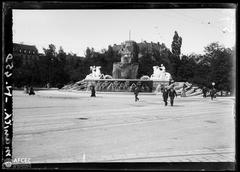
(123, 80)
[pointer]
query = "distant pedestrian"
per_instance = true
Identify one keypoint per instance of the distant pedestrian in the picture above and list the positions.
(213, 93)
(31, 91)
(183, 93)
(93, 92)
(204, 91)
(165, 96)
(172, 93)
(26, 89)
(171, 81)
(136, 92)
(162, 87)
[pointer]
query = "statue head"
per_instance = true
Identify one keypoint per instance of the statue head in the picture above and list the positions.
(126, 59)
(98, 67)
(92, 68)
(129, 50)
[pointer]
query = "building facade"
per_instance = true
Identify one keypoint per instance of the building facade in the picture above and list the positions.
(25, 52)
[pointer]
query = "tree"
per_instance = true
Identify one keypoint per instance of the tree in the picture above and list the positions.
(60, 74)
(175, 56)
(176, 45)
(51, 54)
(145, 65)
(200, 68)
(109, 57)
(221, 59)
(88, 53)
(186, 69)
(51, 51)
(135, 52)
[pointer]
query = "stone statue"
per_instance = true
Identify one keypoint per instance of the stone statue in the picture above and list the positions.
(162, 68)
(127, 68)
(156, 72)
(159, 73)
(93, 69)
(96, 73)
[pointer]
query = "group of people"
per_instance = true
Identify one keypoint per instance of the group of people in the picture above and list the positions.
(29, 90)
(166, 93)
(171, 93)
(212, 92)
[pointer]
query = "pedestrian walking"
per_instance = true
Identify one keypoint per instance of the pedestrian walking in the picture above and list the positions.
(183, 93)
(172, 94)
(31, 91)
(93, 92)
(136, 92)
(213, 93)
(48, 85)
(26, 89)
(165, 96)
(204, 91)
(171, 81)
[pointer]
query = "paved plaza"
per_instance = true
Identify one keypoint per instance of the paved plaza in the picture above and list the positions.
(57, 126)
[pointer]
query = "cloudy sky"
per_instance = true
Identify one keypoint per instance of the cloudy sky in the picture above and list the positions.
(75, 30)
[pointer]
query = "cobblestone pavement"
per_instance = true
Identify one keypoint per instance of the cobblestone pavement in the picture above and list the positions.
(55, 126)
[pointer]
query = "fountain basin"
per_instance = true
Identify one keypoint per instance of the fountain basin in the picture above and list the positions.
(120, 85)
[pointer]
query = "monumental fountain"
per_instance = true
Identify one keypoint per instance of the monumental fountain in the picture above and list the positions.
(124, 75)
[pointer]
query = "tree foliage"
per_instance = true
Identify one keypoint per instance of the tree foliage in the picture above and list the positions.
(221, 66)
(176, 45)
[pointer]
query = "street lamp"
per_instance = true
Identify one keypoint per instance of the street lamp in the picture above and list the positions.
(50, 72)
(213, 83)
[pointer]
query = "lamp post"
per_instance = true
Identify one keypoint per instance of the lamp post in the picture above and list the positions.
(213, 91)
(213, 83)
(51, 72)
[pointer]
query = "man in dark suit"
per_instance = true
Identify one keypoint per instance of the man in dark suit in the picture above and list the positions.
(172, 94)
(165, 95)
(31, 91)
(93, 92)
(136, 92)
(204, 91)
(213, 93)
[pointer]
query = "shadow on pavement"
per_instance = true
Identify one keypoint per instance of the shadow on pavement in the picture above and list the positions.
(177, 105)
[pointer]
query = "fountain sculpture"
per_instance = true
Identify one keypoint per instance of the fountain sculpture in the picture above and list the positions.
(160, 74)
(127, 68)
(96, 73)
(124, 74)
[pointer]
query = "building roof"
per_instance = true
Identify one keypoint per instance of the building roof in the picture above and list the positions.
(25, 47)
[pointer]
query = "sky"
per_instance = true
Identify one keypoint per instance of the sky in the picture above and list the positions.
(75, 30)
